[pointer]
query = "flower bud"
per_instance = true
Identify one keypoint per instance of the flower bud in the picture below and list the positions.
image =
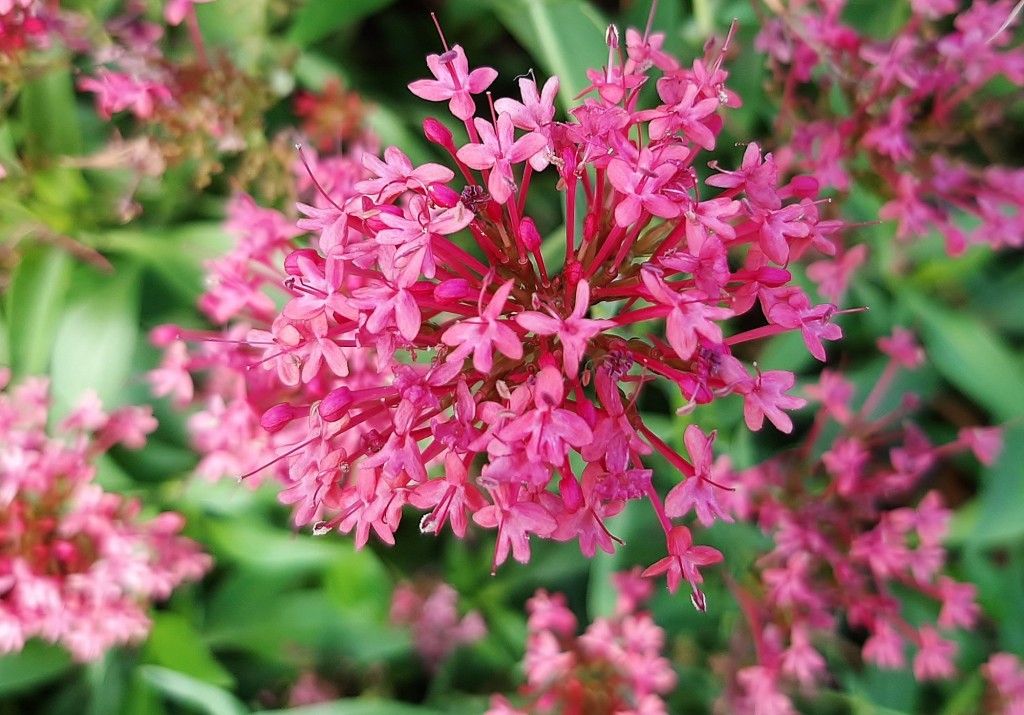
(438, 133)
(452, 290)
(804, 186)
(335, 404)
(163, 335)
(773, 277)
(611, 37)
(291, 262)
(528, 232)
(279, 416)
(443, 195)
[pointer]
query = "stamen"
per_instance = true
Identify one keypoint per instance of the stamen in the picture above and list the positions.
(305, 163)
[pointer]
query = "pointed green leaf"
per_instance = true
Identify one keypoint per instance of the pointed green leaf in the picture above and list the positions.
(565, 36)
(34, 306)
(96, 338)
(192, 692)
(319, 18)
(175, 644)
(361, 706)
(997, 516)
(971, 357)
(35, 664)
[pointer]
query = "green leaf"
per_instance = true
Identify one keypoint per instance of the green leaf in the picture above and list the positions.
(261, 546)
(192, 692)
(47, 105)
(96, 338)
(997, 518)
(319, 18)
(971, 357)
(175, 644)
(565, 36)
(34, 306)
(35, 664)
(361, 706)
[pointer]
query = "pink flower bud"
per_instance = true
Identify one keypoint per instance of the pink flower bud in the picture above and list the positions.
(572, 494)
(279, 416)
(773, 277)
(291, 262)
(163, 335)
(804, 186)
(335, 405)
(452, 290)
(611, 37)
(438, 133)
(443, 195)
(528, 232)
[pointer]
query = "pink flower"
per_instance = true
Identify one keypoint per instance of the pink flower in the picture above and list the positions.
(573, 331)
(498, 151)
(697, 491)
(480, 338)
(683, 562)
(454, 82)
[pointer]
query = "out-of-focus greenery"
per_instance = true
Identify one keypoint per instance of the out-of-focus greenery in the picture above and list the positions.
(81, 290)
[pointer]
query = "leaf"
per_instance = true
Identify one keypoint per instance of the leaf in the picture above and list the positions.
(175, 644)
(96, 338)
(35, 664)
(47, 105)
(319, 18)
(565, 36)
(997, 517)
(261, 546)
(971, 357)
(34, 306)
(360, 706)
(192, 692)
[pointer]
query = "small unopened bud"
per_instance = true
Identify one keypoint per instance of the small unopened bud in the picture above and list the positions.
(804, 186)
(611, 37)
(438, 133)
(572, 495)
(443, 195)
(291, 262)
(773, 277)
(335, 404)
(452, 290)
(528, 232)
(279, 416)
(163, 335)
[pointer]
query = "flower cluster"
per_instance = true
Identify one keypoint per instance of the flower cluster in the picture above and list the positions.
(23, 23)
(431, 611)
(917, 109)
(429, 325)
(196, 107)
(848, 538)
(614, 666)
(1005, 673)
(77, 566)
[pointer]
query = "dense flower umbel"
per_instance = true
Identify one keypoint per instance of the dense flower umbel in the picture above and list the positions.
(843, 555)
(76, 565)
(431, 326)
(917, 114)
(615, 666)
